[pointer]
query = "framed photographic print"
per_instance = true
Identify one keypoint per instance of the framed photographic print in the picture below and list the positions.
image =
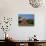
(26, 19)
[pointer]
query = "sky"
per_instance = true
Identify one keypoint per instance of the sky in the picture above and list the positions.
(27, 16)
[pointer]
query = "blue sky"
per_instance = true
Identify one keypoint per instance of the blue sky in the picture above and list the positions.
(27, 16)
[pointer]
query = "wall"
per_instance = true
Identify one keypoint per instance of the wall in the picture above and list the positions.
(10, 8)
